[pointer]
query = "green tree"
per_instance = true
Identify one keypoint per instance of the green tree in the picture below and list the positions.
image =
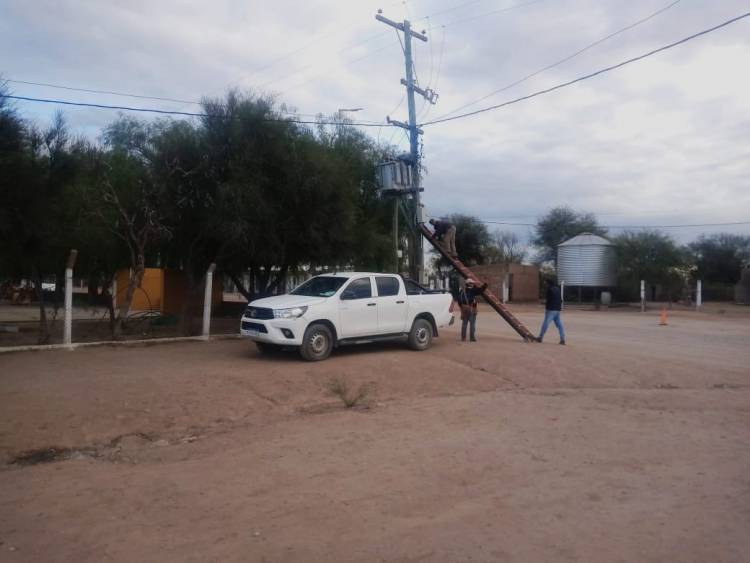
(720, 257)
(37, 165)
(651, 256)
(188, 198)
(290, 196)
(128, 200)
(560, 224)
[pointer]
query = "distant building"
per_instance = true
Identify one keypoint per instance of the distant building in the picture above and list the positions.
(521, 281)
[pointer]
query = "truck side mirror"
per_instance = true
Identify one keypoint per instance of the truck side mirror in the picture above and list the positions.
(348, 294)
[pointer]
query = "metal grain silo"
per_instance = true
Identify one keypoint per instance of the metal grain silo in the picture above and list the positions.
(586, 260)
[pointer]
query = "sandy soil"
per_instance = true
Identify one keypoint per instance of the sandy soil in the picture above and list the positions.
(629, 444)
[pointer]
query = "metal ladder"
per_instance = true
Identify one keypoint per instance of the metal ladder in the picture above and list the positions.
(489, 297)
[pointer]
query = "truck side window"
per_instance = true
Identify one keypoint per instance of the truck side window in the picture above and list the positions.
(358, 289)
(387, 286)
(413, 288)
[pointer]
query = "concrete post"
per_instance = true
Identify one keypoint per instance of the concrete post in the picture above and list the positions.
(68, 316)
(208, 294)
(505, 291)
(699, 294)
(643, 296)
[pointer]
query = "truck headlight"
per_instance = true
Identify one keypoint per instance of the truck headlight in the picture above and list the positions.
(293, 313)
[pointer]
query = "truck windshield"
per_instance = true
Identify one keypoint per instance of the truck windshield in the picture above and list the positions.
(321, 286)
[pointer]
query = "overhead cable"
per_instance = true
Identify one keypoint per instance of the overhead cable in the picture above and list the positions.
(567, 58)
(732, 223)
(187, 113)
(590, 75)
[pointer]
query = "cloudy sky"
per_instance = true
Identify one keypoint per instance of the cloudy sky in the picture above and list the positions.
(664, 141)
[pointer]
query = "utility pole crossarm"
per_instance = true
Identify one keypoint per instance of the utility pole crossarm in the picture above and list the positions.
(403, 125)
(400, 27)
(428, 94)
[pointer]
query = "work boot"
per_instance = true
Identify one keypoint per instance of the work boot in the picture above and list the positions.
(473, 339)
(562, 343)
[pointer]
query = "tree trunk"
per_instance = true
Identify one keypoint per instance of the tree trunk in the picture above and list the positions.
(110, 304)
(191, 292)
(43, 328)
(278, 279)
(92, 290)
(134, 282)
(263, 277)
(247, 294)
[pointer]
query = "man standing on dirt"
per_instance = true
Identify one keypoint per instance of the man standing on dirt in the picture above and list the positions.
(467, 300)
(445, 233)
(552, 309)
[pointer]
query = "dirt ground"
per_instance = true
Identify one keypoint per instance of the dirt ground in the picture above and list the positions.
(631, 443)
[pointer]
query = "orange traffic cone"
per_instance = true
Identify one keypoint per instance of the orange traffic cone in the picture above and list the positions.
(663, 317)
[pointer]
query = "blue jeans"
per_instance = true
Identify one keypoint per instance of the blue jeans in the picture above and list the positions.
(550, 316)
(471, 320)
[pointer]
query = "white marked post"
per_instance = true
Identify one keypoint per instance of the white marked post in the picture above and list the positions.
(699, 294)
(643, 296)
(68, 320)
(207, 301)
(505, 291)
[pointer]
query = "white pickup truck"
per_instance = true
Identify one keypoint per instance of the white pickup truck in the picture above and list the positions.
(347, 308)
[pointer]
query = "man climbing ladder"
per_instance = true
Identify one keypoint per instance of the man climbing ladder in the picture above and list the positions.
(490, 297)
(445, 234)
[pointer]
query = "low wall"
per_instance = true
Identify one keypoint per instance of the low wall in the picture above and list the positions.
(523, 280)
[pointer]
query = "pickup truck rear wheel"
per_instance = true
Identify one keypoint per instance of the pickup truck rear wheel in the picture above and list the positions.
(420, 336)
(317, 343)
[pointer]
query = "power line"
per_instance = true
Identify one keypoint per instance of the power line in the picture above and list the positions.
(129, 95)
(112, 92)
(567, 58)
(262, 68)
(325, 71)
(453, 9)
(591, 75)
(185, 113)
(493, 12)
(732, 223)
(455, 22)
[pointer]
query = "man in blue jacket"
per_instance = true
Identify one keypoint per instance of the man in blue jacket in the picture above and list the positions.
(552, 310)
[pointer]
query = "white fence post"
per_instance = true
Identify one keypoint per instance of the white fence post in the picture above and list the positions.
(505, 291)
(562, 295)
(699, 295)
(643, 296)
(68, 320)
(207, 301)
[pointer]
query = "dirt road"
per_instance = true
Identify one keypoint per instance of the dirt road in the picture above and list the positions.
(629, 444)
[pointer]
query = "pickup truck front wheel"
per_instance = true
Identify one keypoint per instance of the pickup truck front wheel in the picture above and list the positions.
(420, 336)
(317, 343)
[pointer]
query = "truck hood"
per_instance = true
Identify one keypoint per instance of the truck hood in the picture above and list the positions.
(287, 301)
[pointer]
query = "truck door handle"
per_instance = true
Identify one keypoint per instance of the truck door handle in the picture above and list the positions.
(399, 302)
(371, 304)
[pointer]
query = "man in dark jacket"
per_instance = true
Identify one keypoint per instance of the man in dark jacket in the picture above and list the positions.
(467, 300)
(445, 233)
(552, 310)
